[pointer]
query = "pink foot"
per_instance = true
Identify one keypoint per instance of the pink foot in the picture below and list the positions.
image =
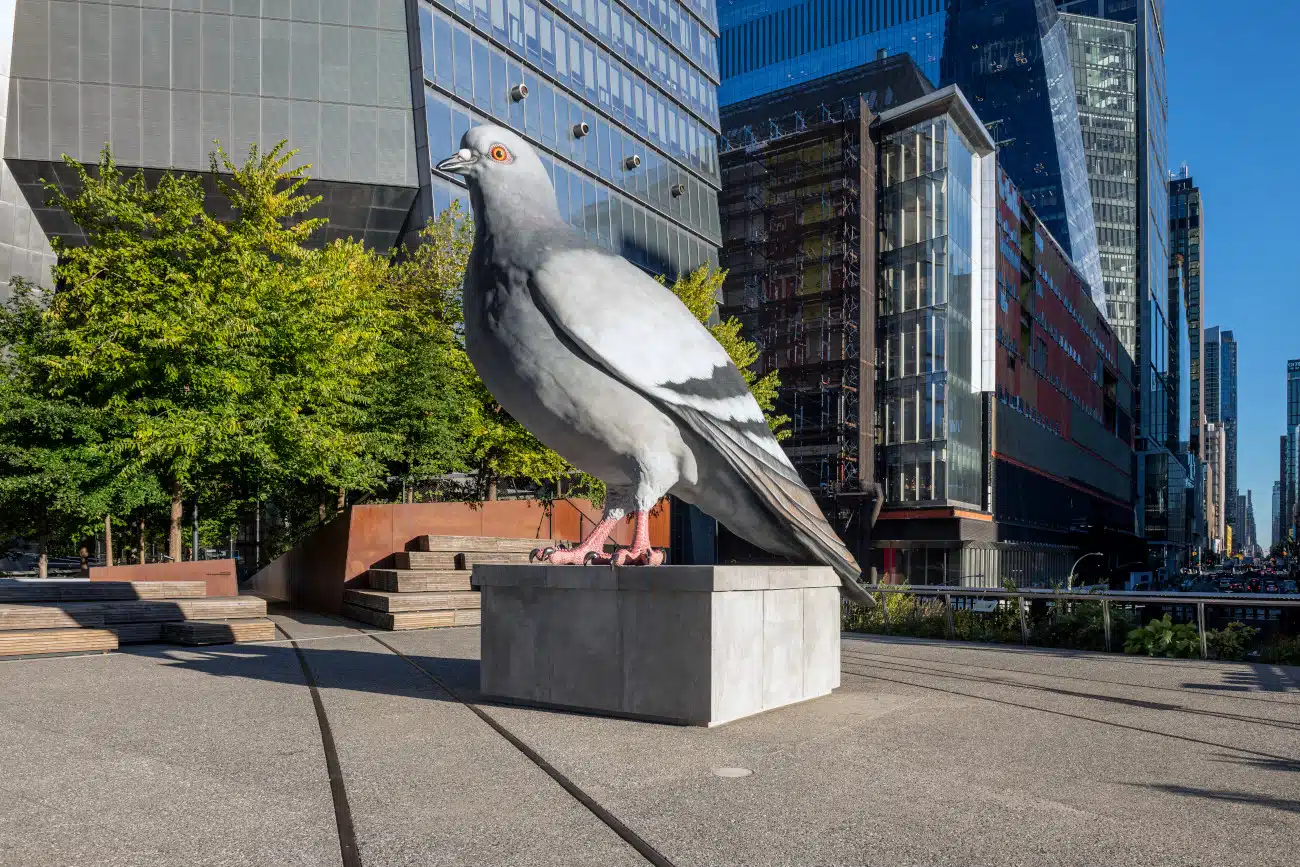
(589, 552)
(640, 553)
(579, 556)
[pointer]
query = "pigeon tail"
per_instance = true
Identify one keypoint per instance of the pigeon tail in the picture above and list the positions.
(781, 493)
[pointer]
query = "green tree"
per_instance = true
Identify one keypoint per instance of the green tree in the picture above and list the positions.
(428, 382)
(226, 355)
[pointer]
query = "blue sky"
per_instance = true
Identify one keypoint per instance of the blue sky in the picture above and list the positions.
(1233, 119)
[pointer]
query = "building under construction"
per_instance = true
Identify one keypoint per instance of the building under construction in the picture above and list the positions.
(797, 210)
(880, 259)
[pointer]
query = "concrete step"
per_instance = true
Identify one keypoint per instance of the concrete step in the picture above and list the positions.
(379, 600)
(411, 619)
(417, 580)
(42, 641)
(88, 591)
(487, 544)
(36, 616)
(170, 610)
(227, 631)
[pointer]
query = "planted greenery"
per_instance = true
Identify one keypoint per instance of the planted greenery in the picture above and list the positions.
(1163, 637)
(1231, 642)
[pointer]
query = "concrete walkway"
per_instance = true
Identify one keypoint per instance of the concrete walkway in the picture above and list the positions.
(931, 753)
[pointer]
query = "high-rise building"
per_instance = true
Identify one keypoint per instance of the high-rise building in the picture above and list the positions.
(1216, 528)
(1186, 239)
(1107, 73)
(1105, 59)
(1276, 535)
(618, 97)
(159, 85)
(1009, 57)
(1228, 415)
(1290, 447)
(929, 331)
(1246, 505)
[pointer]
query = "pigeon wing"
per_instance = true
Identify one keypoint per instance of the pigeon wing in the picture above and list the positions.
(642, 334)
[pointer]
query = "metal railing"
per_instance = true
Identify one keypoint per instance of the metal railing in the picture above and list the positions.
(1104, 597)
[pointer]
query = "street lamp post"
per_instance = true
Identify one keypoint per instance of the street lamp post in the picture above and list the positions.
(1069, 582)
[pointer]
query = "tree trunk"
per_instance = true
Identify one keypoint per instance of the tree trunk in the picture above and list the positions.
(343, 499)
(322, 509)
(43, 561)
(492, 489)
(174, 529)
(108, 540)
(141, 552)
(85, 559)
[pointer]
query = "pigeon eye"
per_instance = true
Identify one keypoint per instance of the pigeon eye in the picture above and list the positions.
(499, 153)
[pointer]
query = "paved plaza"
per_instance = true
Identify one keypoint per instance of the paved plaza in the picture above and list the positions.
(930, 753)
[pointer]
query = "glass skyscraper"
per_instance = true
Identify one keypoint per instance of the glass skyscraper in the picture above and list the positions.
(1104, 56)
(1009, 57)
(1186, 239)
(1290, 446)
(1228, 413)
(619, 98)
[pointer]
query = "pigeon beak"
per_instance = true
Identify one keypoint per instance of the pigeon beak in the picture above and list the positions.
(458, 162)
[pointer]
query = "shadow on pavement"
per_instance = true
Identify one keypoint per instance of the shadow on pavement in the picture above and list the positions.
(376, 670)
(1283, 804)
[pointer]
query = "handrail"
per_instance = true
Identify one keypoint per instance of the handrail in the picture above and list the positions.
(1166, 597)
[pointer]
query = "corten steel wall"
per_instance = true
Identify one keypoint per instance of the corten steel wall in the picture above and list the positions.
(218, 575)
(314, 573)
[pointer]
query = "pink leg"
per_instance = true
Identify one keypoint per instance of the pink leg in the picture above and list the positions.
(640, 554)
(593, 545)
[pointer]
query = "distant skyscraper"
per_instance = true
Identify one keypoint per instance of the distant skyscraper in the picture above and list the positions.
(1186, 238)
(1289, 461)
(1228, 415)
(1276, 535)
(1216, 529)
(1247, 506)
(1105, 58)
(1009, 57)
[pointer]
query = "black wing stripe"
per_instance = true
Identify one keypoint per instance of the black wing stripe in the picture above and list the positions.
(786, 497)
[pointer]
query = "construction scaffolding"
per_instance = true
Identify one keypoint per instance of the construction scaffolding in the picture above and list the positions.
(792, 218)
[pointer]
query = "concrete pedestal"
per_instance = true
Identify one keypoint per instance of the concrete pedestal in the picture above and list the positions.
(693, 645)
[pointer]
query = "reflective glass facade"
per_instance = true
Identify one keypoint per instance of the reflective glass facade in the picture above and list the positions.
(643, 178)
(929, 220)
(1290, 450)
(768, 45)
(1104, 57)
(1008, 56)
(1228, 412)
(1185, 240)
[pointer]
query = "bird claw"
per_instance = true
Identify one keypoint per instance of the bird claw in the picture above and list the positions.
(540, 554)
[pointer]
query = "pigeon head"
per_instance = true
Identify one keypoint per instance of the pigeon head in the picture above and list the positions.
(496, 160)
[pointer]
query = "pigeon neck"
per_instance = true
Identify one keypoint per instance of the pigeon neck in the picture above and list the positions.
(506, 212)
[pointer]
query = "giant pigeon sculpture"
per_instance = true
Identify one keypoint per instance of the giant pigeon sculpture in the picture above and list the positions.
(608, 368)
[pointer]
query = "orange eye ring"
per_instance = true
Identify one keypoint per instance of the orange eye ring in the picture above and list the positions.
(499, 153)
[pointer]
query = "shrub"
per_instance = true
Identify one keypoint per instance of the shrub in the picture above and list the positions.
(1163, 637)
(1281, 651)
(1231, 641)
